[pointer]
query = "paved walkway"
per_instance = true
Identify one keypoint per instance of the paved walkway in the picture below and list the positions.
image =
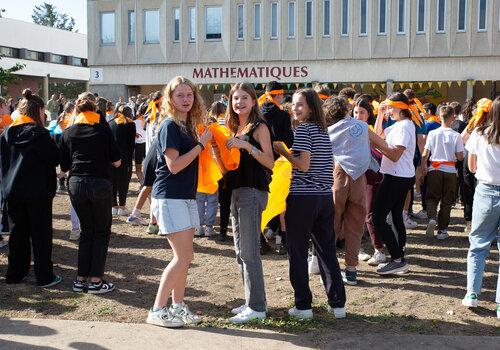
(49, 334)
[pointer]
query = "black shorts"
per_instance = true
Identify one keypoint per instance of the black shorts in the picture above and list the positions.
(139, 152)
(149, 167)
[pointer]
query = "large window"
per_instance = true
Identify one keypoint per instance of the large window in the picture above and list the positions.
(57, 59)
(274, 20)
(382, 17)
(401, 16)
(151, 26)
(213, 22)
(108, 28)
(421, 16)
(34, 55)
(345, 18)
(326, 18)
(256, 21)
(482, 9)
(441, 13)
(177, 24)
(363, 17)
(309, 18)
(240, 21)
(9, 52)
(462, 13)
(131, 27)
(291, 19)
(192, 23)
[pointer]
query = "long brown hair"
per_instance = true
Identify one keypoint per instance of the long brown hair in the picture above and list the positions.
(232, 120)
(194, 116)
(317, 115)
(30, 106)
(491, 129)
(86, 102)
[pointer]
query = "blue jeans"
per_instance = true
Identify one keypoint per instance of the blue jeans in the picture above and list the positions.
(485, 227)
(207, 207)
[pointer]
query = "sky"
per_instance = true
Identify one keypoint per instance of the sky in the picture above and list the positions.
(23, 9)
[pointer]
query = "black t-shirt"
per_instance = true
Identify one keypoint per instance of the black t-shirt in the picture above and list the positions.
(182, 185)
(88, 150)
(124, 135)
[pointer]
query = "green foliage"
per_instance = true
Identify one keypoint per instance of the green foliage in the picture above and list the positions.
(69, 89)
(7, 74)
(47, 15)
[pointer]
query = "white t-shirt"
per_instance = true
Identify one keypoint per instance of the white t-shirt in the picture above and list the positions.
(402, 133)
(443, 143)
(140, 133)
(488, 158)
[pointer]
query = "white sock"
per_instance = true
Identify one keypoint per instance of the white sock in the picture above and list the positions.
(136, 213)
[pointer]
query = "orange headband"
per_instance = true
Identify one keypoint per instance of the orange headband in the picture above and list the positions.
(323, 96)
(269, 96)
(397, 104)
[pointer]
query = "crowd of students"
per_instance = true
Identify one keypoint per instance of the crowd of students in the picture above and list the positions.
(357, 166)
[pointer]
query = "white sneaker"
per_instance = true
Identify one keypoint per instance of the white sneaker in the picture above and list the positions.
(238, 309)
(198, 231)
(164, 318)
(247, 315)
(114, 211)
(442, 234)
(363, 256)
(417, 195)
(313, 266)
(123, 212)
(301, 314)
(421, 215)
(338, 312)
(209, 231)
(431, 226)
(409, 224)
(269, 234)
(470, 300)
(75, 235)
(137, 221)
(377, 258)
(182, 312)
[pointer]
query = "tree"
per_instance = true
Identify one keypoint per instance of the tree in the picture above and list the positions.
(7, 75)
(47, 15)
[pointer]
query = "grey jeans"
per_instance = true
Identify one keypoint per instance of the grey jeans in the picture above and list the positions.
(247, 205)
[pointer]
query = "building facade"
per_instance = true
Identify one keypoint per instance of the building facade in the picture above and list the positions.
(442, 48)
(49, 55)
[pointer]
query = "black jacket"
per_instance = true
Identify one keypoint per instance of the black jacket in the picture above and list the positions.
(124, 135)
(279, 122)
(28, 157)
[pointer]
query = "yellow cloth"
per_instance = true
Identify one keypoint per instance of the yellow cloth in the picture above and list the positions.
(269, 96)
(88, 117)
(482, 106)
(153, 109)
(419, 105)
(375, 105)
(230, 157)
(278, 190)
(433, 118)
(121, 119)
(22, 119)
(208, 172)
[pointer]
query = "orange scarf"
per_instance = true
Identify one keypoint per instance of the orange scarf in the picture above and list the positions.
(375, 105)
(433, 118)
(482, 106)
(5, 121)
(415, 116)
(153, 109)
(88, 117)
(121, 119)
(268, 96)
(323, 97)
(23, 119)
(436, 164)
(419, 105)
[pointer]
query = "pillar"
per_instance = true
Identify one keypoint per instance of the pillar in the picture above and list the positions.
(46, 88)
(389, 84)
(470, 88)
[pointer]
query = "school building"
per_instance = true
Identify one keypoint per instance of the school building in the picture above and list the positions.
(444, 49)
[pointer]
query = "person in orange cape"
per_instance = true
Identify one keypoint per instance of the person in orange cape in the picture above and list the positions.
(29, 157)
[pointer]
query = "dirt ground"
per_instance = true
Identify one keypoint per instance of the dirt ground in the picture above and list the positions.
(425, 301)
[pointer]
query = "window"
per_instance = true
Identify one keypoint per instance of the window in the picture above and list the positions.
(291, 19)
(57, 58)
(345, 18)
(309, 18)
(481, 15)
(382, 17)
(9, 52)
(363, 25)
(326, 18)
(213, 22)
(441, 10)
(462, 13)
(192, 23)
(107, 28)
(177, 24)
(76, 61)
(240, 19)
(151, 26)
(401, 16)
(256, 21)
(421, 16)
(131, 27)
(274, 20)
(35, 56)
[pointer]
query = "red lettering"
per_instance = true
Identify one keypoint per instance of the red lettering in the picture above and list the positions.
(215, 72)
(296, 71)
(276, 73)
(260, 71)
(198, 73)
(224, 71)
(285, 73)
(208, 73)
(234, 71)
(253, 73)
(305, 71)
(242, 73)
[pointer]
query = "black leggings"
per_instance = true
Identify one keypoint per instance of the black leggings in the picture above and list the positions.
(121, 181)
(225, 205)
(390, 198)
(469, 188)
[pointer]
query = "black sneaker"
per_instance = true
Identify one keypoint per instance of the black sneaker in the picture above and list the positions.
(222, 237)
(350, 277)
(79, 286)
(265, 248)
(394, 267)
(55, 280)
(101, 287)
(281, 249)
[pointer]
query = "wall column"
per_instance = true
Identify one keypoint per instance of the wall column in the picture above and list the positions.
(46, 88)
(470, 88)
(389, 84)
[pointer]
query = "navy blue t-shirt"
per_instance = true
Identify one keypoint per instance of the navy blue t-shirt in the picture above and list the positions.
(182, 185)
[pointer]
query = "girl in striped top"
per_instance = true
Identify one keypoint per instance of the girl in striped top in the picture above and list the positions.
(310, 209)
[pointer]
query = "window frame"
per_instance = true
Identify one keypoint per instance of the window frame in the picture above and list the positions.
(113, 43)
(290, 3)
(257, 26)
(208, 7)
(193, 24)
(379, 32)
(360, 32)
(346, 33)
(238, 6)
(465, 17)
(131, 31)
(276, 22)
(327, 11)
(403, 20)
(306, 3)
(146, 42)
(440, 31)
(176, 24)
(485, 29)
(421, 31)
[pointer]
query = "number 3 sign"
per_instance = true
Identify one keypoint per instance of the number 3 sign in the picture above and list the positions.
(96, 74)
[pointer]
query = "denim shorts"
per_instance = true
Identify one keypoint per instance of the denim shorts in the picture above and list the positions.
(174, 215)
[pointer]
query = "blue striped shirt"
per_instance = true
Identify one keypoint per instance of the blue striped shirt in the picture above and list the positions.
(319, 178)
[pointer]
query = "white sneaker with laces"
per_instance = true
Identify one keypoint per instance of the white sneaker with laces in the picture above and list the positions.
(313, 265)
(182, 312)
(198, 231)
(114, 211)
(123, 212)
(363, 256)
(238, 309)
(338, 312)
(247, 315)
(301, 314)
(442, 234)
(209, 231)
(431, 226)
(137, 221)
(377, 258)
(75, 235)
(164, 318)
(409, 224)
(421, 215)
